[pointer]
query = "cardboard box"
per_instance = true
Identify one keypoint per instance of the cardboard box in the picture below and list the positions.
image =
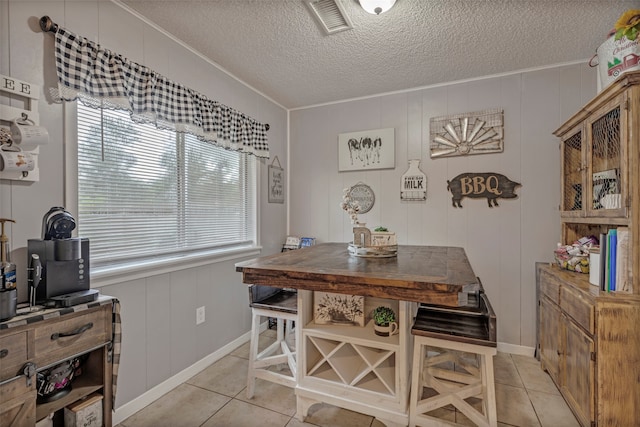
(84, 413)
(46, 422)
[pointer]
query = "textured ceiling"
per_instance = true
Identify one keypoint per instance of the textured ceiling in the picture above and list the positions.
(276, 46)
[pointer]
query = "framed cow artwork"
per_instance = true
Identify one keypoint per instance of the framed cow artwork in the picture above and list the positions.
(366, 150)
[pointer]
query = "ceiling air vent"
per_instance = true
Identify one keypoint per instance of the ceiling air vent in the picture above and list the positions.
(330, 15)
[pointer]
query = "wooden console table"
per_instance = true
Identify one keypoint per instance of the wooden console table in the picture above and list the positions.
(33, 341)
(350, 366)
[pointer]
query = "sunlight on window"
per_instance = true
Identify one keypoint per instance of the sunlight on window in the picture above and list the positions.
(145, 192)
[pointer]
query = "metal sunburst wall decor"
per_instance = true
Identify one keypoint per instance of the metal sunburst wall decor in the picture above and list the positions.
(464, 134)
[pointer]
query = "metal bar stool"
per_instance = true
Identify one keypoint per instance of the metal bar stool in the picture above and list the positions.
(453, 364)
(282, 305)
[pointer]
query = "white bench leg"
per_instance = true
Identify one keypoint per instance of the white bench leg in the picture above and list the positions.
(253, 353)
(416, 382)
(479, 382)
(489, 382)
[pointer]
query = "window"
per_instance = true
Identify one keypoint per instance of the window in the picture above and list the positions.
(145, 193)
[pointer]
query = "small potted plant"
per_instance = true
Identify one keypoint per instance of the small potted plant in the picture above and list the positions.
(384, 321)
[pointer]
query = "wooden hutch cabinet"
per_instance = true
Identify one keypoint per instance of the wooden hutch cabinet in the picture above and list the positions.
(590, 339)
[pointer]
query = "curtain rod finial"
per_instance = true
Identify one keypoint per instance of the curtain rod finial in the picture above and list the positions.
(47, 25)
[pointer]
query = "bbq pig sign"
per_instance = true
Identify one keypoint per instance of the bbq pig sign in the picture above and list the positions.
(478, 185)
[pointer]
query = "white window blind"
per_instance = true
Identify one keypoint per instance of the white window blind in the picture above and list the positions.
(145, 193)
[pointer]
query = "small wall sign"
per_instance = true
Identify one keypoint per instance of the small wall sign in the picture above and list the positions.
(276, 182)
(413, 184)
(478, 185)
(479, 132)
(9, 84)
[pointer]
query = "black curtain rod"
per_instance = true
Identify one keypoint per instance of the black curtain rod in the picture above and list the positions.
(48, 26)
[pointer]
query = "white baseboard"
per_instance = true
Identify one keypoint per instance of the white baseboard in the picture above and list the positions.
(133, 406)
(516, 349)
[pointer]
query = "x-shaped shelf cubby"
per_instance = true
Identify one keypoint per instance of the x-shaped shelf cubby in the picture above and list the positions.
(358, 366)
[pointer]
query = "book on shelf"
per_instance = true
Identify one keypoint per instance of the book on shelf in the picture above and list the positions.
(613, 245)
(623, 267)
(614, 260)
(603, 261)
(606, 286)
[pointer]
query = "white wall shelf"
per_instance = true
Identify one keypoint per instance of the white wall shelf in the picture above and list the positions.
(19, 99)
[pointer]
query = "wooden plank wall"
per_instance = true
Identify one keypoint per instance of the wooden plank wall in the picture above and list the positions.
(503, 243)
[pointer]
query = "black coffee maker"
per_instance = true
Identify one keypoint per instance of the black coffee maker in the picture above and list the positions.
(58, 263)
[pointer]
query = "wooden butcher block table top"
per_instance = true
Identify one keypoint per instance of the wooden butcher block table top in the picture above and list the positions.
(431, 274)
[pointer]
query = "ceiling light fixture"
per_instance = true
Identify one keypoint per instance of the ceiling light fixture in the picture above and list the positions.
(376, 7)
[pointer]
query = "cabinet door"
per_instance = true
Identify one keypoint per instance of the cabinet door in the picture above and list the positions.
(18, 403)
(549, 337)
(578, 372)
(607, 158)
(573, 165)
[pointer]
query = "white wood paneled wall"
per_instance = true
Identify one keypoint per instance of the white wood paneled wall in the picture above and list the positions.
(503, 243)
(160, 337)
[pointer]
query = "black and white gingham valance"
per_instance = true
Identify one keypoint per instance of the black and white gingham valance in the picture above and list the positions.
(103, 79)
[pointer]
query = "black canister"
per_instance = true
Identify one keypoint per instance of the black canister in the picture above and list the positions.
(67, 249)
(8, 303)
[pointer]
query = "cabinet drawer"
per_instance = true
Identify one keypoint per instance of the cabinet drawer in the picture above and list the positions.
(549, 286)
(61, 339)
(578, 307)
(13, 354)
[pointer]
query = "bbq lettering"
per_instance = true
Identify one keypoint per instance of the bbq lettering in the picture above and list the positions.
(478, 185)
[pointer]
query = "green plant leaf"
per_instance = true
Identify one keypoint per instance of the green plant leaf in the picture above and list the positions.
(383, 315)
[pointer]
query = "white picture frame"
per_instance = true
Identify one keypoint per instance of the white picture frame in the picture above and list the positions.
(604, 183)
(331, 308)
(366, 150)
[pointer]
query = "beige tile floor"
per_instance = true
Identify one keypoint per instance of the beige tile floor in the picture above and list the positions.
(525, 395)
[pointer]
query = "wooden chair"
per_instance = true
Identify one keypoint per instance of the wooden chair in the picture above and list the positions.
(453, 363)
(281, 305)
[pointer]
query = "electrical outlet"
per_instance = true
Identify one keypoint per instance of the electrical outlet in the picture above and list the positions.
(199, 315)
